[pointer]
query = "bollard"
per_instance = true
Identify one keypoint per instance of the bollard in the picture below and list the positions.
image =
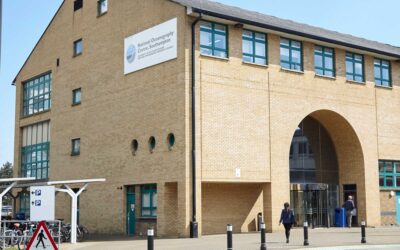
(150, 239)
(263, 243)
(363, 239)
(305, 225)
(229, 228)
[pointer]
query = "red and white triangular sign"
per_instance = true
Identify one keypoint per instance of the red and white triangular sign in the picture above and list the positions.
(41, 239)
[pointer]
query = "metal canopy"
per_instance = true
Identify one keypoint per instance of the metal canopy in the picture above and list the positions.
(14, 183)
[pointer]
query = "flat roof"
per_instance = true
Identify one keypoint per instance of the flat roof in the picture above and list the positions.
(254, 18)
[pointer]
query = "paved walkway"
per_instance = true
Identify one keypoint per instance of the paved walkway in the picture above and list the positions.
(387, 238)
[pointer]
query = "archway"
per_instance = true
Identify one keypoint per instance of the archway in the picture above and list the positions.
(326, 165)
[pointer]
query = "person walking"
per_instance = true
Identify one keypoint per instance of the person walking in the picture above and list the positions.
(287, 219)
(349, 206)
(40, 238)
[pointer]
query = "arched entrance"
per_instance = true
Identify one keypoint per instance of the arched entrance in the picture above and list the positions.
(326, 165)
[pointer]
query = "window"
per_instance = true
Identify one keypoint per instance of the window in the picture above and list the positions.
(152, 143)
(171, 140)
(102, 7)
(213, 39)
(302, 148)
(78, 4)
(149, 200)
(135, 146)
(291, 54)
(76, 96)
(78, 47)
(37, 95)
(76, 146)
(254, 47)
(35, 150)
(389, 173)
(324, 61)
(382, 73)
(24, 205)
(354, 67)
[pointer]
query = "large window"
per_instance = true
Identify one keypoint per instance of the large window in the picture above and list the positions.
(291, 54)
(149, 200)
(35, 151)
(37, 95)
(324, 61)
(354, 67)
(24, 205)
(213, 39)
(382, 73)
(389, 174)
(254, 46)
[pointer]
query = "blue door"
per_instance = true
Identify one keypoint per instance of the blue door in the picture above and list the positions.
(398, 208)
(130, 211)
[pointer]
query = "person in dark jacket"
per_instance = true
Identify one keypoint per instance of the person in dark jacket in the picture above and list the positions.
(287, 219)
(349, 206)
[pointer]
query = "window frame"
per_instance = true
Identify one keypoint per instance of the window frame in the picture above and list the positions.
(381, 67)
(394, 174)
(254, 41)
(324, 55)
(152, 190)
(213, 33)
(33, 84)
(73, 152)
(24, 203)
(291, 48)
(76, 42)
(78, 4)
(99, 12)
(74, 92)
(354, 61)
(30, 165)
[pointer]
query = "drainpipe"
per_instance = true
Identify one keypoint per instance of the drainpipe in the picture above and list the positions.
(193, 223)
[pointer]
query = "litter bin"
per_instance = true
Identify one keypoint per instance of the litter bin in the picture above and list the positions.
(340, 217)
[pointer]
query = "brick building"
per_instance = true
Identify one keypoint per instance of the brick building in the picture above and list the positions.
(108, 92)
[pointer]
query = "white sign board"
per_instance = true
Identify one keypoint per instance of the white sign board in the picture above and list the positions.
(42, 203)
(150, 47)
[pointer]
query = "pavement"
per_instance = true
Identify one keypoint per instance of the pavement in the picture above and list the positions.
(385, 238)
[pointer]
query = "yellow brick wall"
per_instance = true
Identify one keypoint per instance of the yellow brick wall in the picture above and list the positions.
(388, 208)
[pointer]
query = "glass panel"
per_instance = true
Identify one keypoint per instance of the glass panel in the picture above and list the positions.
(377, 62)
(205, 25)
(381, 167)
(205, 38)
(296, 44)
(247, 34)
(319, 71)
(220, 53)
(318, 49)
(328, 63)
(220, 41)
(154, 212)
(328, 51)
(385, 63)
(349, 56)
(285, 65)
(285, 54)
(154, 200)
(205, 51)
(381, 183)
(389, 181)
(398, 181)
(349, 67)
(318, 60)
(328, 73)
(260, 49)
(146, 212)
(247, 47)
(377, 72)
(260, 61)
(296, 56)
(397, 167)
(358, 78)
(103, 6)
(358, 58)
(146, 200)
(284, 42)
(220, 28)
(358, 68)
(260, 36)
(389, 167)
(385, 74)
(247, 59)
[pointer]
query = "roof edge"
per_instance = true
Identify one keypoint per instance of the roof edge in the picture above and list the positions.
(44, 32)
(293, 32)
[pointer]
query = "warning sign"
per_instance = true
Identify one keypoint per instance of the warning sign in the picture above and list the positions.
(41, 239)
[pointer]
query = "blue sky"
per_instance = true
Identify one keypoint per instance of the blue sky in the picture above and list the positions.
(24, 21)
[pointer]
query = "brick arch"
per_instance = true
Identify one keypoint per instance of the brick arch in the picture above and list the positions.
(349, 152)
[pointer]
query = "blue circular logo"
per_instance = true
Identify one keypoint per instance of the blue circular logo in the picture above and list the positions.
(131, 53)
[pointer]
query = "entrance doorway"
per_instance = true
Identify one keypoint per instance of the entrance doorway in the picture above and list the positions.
(351, 190)
(314, 177)
(130, 210)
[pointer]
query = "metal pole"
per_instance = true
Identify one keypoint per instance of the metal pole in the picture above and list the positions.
(363, 237)
(150, 239)
(229, 229)
(263, 243)
(305, 226)
(74, 209)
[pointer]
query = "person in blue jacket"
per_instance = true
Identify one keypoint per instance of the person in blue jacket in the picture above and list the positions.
(287, 219)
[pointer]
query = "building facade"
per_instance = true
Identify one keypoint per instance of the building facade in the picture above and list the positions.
(204, 138)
